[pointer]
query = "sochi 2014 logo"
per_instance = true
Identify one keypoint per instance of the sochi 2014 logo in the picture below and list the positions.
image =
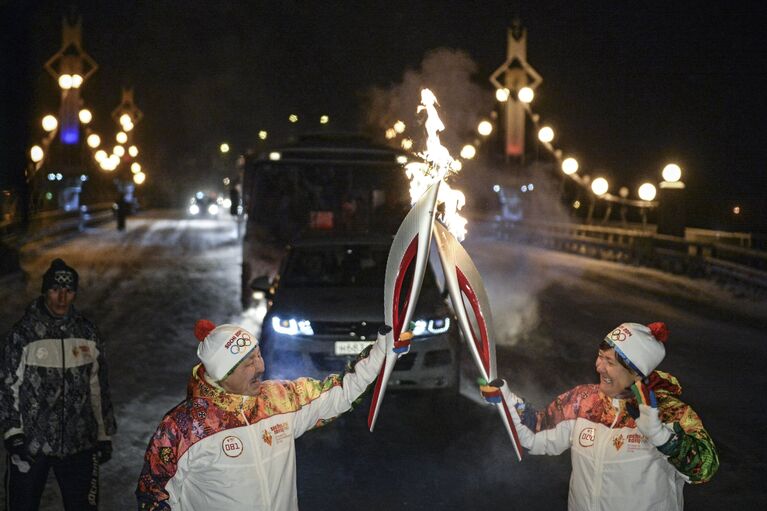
(232, 446)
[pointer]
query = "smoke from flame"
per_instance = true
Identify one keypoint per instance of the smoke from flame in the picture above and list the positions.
(439, 165)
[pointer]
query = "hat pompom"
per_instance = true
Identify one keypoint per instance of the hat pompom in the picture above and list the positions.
(659, 331)
(202, 328)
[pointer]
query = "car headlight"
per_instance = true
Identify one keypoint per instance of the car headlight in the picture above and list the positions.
(431, 327)
(290, 326)
(213, 209)
(194, 209)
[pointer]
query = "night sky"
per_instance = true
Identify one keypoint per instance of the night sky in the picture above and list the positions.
(627, 88)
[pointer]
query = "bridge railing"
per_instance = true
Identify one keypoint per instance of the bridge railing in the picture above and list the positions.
(47, 224)
(730, 264)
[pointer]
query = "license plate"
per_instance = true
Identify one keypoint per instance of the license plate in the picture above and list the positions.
(351, 347)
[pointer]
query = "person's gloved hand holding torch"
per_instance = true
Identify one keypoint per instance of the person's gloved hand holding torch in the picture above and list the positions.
(648, 422)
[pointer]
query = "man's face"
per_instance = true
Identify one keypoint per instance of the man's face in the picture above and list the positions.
(246, 378)
(613, 377)
(58, 300)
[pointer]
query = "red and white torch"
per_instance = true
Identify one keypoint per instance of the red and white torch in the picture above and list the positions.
(409, 257)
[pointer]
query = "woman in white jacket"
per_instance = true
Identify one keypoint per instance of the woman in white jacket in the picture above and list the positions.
(231, 444)
(633, 442)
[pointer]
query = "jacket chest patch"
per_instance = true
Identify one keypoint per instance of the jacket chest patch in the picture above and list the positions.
(277, 433)
(232, 446)
(618, 442)
(586, 437)
(41, 353)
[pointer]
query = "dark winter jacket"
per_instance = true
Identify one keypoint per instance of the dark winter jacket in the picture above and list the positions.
(53, 383)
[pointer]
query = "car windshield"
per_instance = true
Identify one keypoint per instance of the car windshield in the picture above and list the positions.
(344, 266)
(332, 266)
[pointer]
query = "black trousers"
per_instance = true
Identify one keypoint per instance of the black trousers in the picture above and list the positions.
(77, 475)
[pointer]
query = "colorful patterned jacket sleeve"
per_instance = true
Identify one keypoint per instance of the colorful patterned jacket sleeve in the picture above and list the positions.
(160, 465)
(551, 428)
(322, 401)
(691, 451)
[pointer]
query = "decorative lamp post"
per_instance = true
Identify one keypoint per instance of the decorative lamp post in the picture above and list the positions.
(671, 204)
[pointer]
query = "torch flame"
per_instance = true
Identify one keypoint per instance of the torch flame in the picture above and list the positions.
(439, 165)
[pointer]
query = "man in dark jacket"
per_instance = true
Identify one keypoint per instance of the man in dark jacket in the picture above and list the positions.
(55, 409)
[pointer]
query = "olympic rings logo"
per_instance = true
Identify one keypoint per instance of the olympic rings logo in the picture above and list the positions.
(241, 344)
(617, 335)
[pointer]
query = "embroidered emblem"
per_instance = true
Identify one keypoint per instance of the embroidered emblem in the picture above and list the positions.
(232, 446)
(267, 437)
(618, 442)
(41, 353)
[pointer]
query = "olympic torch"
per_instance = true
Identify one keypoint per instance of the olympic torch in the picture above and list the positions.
(405, 268)
(409, 257)
(463, 281)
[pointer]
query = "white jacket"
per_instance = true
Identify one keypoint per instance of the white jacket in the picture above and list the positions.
(219, 451)
(613, 465)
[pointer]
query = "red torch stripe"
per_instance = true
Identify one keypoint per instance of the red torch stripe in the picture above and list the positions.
(517, 444)
(398, 317)
(483, 344)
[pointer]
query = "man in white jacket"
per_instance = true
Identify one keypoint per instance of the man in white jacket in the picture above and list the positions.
(231, 444)
(633, 442)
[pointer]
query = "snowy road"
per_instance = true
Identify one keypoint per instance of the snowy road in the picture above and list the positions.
(146, 287)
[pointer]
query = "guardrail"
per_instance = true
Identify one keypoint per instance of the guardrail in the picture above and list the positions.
(729, 264)
(47, 224)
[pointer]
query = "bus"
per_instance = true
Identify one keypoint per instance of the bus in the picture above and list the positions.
(339, 183)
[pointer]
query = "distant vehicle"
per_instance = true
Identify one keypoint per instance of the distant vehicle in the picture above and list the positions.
(326, 304)
(206, 204)
(324, 182)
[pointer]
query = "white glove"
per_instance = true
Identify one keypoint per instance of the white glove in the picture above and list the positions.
(651, 427)
(492, 392)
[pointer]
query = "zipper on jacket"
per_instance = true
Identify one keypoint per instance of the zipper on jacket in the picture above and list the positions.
(260, 469)
(599, 460)
(63, 395)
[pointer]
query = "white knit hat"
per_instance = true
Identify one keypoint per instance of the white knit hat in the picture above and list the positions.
(222, 347)
(641, 347)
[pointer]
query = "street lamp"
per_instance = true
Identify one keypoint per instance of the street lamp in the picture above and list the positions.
(599, 186)
(36, 153)
(50, 123)
(546, 134)
(485, 128)
(224, 148)
(93, 140)
(570, 166)
(262, 134)
(526, 95)
(672, 173)
(647, 192)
